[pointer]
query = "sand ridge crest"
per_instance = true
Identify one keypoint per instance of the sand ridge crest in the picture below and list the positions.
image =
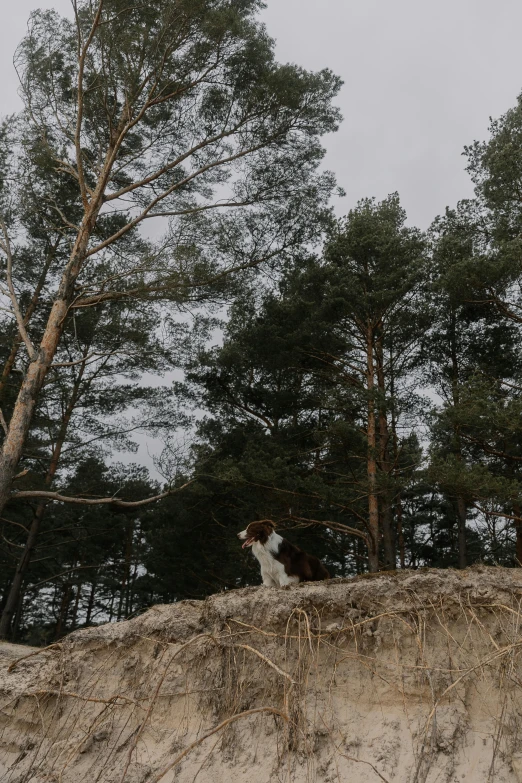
(408, 676)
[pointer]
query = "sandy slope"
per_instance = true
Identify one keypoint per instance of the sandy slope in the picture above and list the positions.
(413, 677)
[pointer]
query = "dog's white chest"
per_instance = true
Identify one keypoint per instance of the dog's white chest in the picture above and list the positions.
(272, 571)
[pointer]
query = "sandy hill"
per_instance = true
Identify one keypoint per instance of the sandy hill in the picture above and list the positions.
(413, 677)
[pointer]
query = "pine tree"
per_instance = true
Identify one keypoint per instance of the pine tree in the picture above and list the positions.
(145, 111)
(474, 347)
(318, 367)
(376, 265)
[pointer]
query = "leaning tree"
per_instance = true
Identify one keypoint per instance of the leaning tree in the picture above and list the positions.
(162, 153)
(172, 110)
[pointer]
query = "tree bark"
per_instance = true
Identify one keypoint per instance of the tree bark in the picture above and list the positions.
(388, 533)
(124, 600)
(61, 623)
(518, 532)
(90, 604)
(77, 597)
(18, 616)
(13, 445)
(398, 498)
(23, 564)
(373, 503)
(111, 608)
(17, 341)
(400, 534)
(461, 503)
(463, 548)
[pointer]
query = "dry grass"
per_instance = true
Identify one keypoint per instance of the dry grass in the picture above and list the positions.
(288, 683)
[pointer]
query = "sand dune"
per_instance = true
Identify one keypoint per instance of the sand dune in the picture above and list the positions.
(413, 677)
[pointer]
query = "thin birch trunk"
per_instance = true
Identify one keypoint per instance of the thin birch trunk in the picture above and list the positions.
(373, 504)
(61, 624)
(388, 534)
(74, 615)
(90, 604)
(518, 532)
(18, 616)
(460, 500)
(398, 498)
(463, 547)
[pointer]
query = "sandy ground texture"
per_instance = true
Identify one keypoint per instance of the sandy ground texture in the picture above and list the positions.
(413, 677)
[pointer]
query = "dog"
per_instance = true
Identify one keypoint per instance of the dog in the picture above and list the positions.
(281, 562)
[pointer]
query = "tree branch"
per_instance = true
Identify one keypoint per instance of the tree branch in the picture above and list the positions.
(3, 423)
(82, 53)
(6, 247)
(176, 186)
(338, 527)
(161, 286)
(495, 513)
(97, 501)
(84, 359)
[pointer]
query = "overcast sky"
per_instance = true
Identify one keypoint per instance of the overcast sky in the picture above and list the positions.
(421, 78)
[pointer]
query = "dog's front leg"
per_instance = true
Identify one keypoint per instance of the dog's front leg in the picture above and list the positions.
(268, 580)
(285, 580)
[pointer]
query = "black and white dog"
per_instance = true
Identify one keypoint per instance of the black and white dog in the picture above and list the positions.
(281, 562)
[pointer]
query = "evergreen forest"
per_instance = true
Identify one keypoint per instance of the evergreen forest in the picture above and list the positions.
(172, 271)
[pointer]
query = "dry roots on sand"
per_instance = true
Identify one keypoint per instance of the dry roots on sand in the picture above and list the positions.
(410, 677)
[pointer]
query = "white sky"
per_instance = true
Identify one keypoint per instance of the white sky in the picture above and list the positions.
(422, 78)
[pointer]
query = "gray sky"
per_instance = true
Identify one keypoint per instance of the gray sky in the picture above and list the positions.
(421, 79)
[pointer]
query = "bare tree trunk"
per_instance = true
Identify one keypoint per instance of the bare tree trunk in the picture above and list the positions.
(18, 616)
(131, 572)
(90, 604)
(61, 623)
(111, 608)
(461, 503)
(17, 341)
(395, 443)
(126, 570)
(517, 522)
(23, 564)
(400, 534)
(373, 504)
(5, 592)
(398, 499)
(13, 445)
(463, 548)
(21, 569)
(388, 533)
(360, 555)
(74, 615)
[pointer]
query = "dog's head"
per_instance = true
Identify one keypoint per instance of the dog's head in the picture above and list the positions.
(257, 531)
